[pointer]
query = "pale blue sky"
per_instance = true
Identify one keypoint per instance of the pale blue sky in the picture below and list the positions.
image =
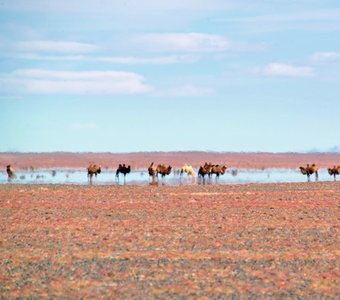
(123, 76)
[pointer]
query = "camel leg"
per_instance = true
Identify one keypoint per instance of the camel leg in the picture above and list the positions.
(316, 176)
(124, 179)
(153, 180)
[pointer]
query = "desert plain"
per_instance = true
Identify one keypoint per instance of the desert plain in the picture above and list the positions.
(212, 241)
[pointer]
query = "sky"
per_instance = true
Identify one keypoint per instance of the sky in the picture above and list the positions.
(177, 75)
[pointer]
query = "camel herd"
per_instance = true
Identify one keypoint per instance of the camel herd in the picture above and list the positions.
(160, 169)
(210, 169)
(207, 169)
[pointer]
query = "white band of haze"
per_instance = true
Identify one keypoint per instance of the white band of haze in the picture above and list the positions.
(36, 81)
(277, 69)
(55, 46)
(326, 57)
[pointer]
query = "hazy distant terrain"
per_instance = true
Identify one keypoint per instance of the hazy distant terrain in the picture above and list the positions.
(140, 160)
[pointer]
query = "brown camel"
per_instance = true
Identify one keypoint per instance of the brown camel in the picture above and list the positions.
(334, 171)
(152, 172)
(93, 170)
(124, 170)
(218, 170)
(204, 170)
(10, 172)
(152, 169)
(309, 170)
(163, 170)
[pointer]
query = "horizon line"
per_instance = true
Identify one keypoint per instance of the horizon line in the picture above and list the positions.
(173, 152)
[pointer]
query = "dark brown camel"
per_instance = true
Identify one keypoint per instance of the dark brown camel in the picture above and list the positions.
(334, 171)
(124, 170)
(163, 170)
(204, 170)
(218, 170)
(10, 172)
(93, 170)
(309, 170)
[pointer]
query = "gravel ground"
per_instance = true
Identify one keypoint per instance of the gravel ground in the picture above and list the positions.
(254, 241)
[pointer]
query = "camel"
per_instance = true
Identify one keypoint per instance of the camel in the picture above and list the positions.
(93, 170)
(163, 170)
(309, 170)
(152, 172)
(152, 169)
(189, 170)
(124, 170)
(218, 170)
(204, 170)
(334, 171)
(10, 172)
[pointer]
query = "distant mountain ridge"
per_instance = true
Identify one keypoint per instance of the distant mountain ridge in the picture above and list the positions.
(334, 149)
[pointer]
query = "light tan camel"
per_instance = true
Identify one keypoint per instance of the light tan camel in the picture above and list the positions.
(189, 170)
(334, 171)
(309, 170)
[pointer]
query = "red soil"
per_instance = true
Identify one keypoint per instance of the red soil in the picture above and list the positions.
(218, 241)
(176, 159)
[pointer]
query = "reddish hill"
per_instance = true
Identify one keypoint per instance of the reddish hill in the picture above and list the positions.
(176, 159)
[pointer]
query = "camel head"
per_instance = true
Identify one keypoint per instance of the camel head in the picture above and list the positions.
(303, 170)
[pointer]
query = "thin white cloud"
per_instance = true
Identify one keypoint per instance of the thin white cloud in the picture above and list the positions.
(326, 57)
(278, 69)
(302, 16)
(55, 47)
(124, 60)
(182, 42)
(315, 20)
(111, 6)
(160, 60)
(36, 81)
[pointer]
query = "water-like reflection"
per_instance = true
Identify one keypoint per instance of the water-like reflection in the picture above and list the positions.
(141, 177)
